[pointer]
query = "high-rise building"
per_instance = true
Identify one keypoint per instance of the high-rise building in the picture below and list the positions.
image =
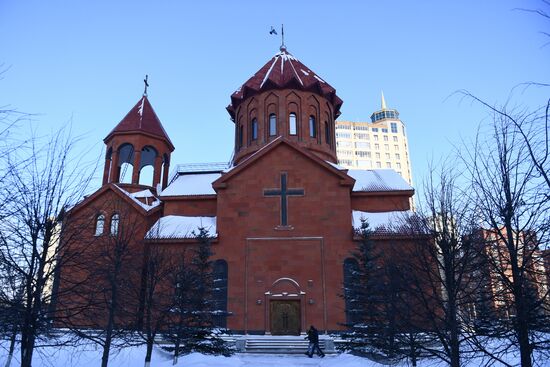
(380, 143)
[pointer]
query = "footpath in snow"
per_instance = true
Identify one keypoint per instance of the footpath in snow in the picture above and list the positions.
(86, 355)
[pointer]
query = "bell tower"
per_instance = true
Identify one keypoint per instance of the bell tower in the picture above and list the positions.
(285, 98)
(138, 149)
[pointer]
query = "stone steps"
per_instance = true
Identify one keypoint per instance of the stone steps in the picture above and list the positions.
(268, 344)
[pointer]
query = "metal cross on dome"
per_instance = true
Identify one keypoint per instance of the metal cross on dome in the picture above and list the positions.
(146, 84)
(284, 192)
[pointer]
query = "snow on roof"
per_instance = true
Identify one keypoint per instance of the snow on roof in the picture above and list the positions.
(142, 194)
(177, 226)
(337, 166)
(192, 184)
(378, 180)
(389, 222)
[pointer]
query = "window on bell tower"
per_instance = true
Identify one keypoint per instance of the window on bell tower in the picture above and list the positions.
(254, 129)
(241, 132)
(312, 127)
(292, 123)
(272, 124)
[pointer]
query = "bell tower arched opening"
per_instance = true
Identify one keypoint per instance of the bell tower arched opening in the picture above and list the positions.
(125, 163)
(147, 166)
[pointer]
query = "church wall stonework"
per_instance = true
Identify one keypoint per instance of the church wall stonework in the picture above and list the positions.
(200, 205)
(245, 214)
(379, 202)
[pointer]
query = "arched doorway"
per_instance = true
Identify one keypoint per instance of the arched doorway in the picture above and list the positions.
(285, 308)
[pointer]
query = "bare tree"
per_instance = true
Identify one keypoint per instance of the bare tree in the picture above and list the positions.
(41, 179)
(442, 271)
(105, 304)
(512, 201)
(158, 267)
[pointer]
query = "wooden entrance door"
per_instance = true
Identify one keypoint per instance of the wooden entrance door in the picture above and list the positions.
(285, 317)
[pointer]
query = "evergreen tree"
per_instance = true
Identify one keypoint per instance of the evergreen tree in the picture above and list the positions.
(362, 296)
(192, 328)
(378, 317)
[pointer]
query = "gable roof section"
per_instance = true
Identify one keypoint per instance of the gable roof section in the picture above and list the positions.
(124, 195)
(220, 183)
(142, 118)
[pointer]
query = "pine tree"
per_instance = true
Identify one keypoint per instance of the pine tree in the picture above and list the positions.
(379, 322)
(192, 327)
(361, 293)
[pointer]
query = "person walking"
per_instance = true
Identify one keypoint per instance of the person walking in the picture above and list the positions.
(313, 337)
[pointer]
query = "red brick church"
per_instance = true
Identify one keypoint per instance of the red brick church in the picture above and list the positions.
(283, 215)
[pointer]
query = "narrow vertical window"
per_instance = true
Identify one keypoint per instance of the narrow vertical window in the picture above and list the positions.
(272, 124)
(312, 127)
(292, 123)
(327, 133)
(254, 129)
(99, 225)
(240, 136)
(115, 220)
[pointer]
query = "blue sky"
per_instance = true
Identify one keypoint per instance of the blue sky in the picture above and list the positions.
(85, 61)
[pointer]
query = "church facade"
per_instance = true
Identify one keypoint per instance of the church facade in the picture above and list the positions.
(283, 216)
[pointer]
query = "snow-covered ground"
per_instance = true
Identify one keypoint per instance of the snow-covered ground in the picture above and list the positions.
(88, 356)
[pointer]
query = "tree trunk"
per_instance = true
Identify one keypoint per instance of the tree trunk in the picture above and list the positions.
(106, 349)
(521, 323)
(109, 331)
(451, 307)
(176, 351)
(413, 350)
(27, 348)
(12, 347)
(524, 347)
(149, 352)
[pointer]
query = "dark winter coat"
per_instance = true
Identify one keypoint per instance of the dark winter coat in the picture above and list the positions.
(313, 335)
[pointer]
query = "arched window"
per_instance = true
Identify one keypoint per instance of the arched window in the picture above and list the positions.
(351, 272)
(241, 136)
(254, 129)
(272, 124)
(327, 133)
(220, 292)
(292, 123)
(99, 225)
(312, 127)
(115, 220)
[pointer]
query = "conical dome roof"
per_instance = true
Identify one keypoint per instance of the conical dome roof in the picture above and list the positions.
(142, 118)
(284, 71)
